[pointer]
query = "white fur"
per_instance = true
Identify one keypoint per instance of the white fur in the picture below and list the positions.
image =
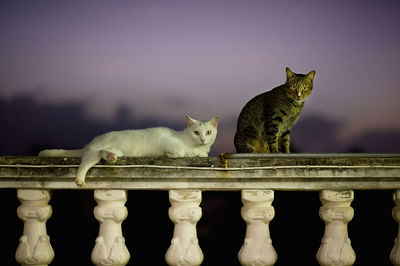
(193, 141)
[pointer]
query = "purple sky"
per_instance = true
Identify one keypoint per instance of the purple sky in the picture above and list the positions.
(169, 58)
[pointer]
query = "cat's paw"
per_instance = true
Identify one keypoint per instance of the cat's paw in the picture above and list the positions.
(80, 182)
(202, 154)
(111, 157)
(171, 155)
(175, 154)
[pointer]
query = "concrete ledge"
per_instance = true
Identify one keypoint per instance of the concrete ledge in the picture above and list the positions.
(229, 172)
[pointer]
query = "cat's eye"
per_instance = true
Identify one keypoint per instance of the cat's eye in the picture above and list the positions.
(208, 132)
(196, 132)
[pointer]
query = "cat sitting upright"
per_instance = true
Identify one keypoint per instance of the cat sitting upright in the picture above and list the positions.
(193, 141)
(265, 122)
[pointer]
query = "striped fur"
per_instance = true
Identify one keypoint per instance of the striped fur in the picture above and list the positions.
(265, 122)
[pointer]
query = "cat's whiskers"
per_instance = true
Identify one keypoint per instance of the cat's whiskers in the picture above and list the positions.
(265, 122)
(155, 142)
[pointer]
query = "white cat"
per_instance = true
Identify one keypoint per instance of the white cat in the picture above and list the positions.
(193, 141)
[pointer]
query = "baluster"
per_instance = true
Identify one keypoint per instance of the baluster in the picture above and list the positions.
(336, 212)
(34, 244)
(257, 212)
(110, 211)
(395, 254)
(184, 213)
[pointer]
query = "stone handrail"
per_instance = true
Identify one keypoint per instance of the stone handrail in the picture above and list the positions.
(256, 175)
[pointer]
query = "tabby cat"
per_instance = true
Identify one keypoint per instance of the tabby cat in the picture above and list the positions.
(265, 122)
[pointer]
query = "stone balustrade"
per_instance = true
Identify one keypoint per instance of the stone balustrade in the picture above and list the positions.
(257, 176)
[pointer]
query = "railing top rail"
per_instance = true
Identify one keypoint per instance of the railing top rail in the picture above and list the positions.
(229, 172)
(308, 155)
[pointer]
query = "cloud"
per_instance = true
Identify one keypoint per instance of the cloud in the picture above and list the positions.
(316, 134)
(30, 126)
(378, 140)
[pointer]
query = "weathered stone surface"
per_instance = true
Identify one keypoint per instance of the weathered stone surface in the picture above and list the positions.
(278, 172)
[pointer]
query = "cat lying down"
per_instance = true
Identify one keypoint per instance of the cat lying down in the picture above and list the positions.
(193, 141)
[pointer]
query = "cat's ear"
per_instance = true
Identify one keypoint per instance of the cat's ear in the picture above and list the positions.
(190, 121)
(289, 73)
(311, 75)
(214, 121)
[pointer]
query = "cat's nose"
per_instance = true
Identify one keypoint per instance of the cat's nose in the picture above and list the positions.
(202, 140)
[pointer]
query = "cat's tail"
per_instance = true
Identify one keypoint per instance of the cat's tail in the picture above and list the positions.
(61, 153)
